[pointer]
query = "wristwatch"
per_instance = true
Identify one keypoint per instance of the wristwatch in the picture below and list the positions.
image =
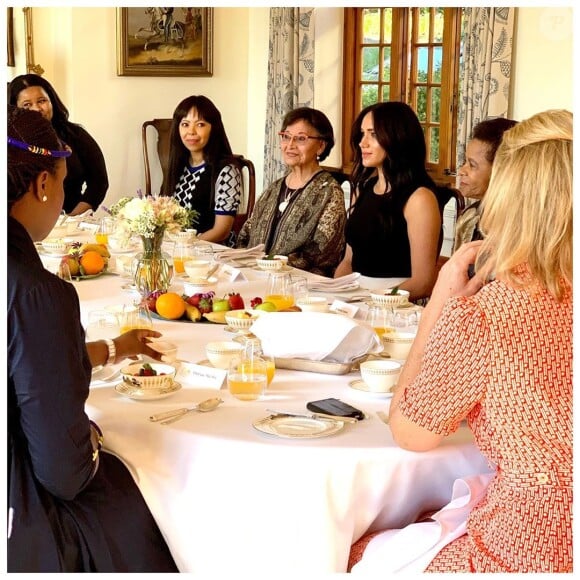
(112, 351)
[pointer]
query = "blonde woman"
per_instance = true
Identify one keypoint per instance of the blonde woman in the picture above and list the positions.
(499, 355)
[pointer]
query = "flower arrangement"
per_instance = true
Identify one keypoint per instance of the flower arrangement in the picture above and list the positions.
(149, 215)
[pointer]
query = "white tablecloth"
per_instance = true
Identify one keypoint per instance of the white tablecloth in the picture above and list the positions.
(232, 500)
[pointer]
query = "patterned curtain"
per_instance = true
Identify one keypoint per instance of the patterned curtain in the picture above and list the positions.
(290, 77)
(486, 68)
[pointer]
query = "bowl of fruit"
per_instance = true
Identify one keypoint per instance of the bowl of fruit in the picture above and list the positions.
(272, 263)
(390, 297)
(148, 375)
(242, 319)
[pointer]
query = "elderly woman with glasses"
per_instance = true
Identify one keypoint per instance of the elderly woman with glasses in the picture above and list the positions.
(302, 215)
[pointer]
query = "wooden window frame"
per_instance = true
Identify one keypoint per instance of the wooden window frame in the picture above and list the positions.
(400, 88)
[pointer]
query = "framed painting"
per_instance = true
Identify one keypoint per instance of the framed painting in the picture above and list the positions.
(171, 42)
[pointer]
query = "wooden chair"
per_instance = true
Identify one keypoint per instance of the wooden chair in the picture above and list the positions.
(446, 194)
(162, 128)
(344, 181)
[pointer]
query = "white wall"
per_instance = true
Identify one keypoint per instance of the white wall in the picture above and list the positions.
(77, 48)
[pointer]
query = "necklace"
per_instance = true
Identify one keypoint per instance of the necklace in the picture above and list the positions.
(288, 196)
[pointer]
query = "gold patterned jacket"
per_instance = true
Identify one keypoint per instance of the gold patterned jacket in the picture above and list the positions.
(310, 231)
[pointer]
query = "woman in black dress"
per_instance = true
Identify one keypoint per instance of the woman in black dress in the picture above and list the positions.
(71, 507)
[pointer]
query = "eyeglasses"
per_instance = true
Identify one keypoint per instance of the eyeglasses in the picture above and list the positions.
(299, 139)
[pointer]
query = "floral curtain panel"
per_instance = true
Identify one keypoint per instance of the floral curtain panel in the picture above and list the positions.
(290, 77)
(486, 69)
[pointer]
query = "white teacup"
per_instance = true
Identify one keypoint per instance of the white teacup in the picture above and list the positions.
(380, 376)
(197, 268)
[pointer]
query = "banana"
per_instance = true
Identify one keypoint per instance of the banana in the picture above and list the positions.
(217, 317)
(99, 248)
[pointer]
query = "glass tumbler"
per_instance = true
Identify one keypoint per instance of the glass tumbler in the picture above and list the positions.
(381, 319)
(247, 377)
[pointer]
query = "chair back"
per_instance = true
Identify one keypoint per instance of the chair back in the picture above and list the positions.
(162, 128)
(444, 195)
(345, 183)
(157, 154)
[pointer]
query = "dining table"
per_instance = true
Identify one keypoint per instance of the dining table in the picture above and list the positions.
(230, 498)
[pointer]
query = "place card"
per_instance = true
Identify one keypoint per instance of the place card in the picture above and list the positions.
(89, 227)
(201, 376)
(231, 274)
(340, 307)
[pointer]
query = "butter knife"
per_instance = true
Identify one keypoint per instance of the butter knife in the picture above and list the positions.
(313, 416)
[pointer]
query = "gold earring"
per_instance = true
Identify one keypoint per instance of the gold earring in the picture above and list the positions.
(44, 198)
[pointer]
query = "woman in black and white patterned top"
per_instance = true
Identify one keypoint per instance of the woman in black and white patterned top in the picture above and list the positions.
(203, 174)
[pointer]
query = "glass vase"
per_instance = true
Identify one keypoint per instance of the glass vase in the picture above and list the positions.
(153, 269)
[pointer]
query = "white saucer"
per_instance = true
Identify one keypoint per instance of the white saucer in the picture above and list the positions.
(298, 427)
(103, 373)
(360, 385)
(138, 394)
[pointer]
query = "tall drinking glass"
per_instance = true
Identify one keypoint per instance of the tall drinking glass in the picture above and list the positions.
(279, 290)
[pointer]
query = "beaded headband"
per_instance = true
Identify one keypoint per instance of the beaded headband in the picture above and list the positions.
(39, 150)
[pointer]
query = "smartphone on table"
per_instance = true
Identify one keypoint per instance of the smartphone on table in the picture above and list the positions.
(335, 407)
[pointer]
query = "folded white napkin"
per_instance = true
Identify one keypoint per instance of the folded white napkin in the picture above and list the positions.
(236, 254)
(315, 336)
(347, 282)
(411, 549)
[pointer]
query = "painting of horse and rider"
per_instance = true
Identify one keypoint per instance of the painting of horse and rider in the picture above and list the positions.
(164, 41)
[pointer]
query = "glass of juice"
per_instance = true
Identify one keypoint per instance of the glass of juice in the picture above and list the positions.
(106, 228)
(247, 377)
(279, 290)
(181, 252)
(135, 316)
(381, 319)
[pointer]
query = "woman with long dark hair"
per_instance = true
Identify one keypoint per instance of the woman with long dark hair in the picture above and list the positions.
(203, 174)
(86, 182)
(394, 228)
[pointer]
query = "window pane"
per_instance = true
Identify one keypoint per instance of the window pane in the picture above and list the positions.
(387, 25)
(386, 93)
(422, 64)
(435, 105)
(422, 103)
(368, 95)
(423, 25)
(387, 64)
(370, 64)
(433, 145)
(438, 21)
(371, 25)
(437, 63)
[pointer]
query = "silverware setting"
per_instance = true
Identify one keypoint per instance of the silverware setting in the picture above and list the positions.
(313, 416)
(171, 416)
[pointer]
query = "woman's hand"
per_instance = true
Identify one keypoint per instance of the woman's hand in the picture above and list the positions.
(454, 279)
(132, 343)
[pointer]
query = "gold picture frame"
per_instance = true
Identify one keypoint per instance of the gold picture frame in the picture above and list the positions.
(165, 42)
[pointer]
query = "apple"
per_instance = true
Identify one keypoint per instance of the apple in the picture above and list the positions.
(267, 306)
(220, 305)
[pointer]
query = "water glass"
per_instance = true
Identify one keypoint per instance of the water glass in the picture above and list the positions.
(406, 319)
(102, 324)
(247, 377)
(63, 272)
(299, 287)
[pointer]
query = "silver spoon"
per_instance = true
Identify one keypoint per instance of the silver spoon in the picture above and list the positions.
(171, 416)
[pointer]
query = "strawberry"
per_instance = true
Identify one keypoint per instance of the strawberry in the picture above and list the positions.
(235, 301)
(255, 301)
(205, 304)
(193, 300)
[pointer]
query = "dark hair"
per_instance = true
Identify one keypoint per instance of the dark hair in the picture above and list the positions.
(318, 120)
(491, 132)
(399, 133)
(24, 166)
(59, 112)
(216, 153)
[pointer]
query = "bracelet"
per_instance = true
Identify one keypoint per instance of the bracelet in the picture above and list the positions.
(112, 351)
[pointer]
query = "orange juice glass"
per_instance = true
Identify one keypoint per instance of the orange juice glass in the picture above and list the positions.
(280, 301)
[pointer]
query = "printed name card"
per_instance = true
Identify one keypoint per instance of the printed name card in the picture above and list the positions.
(200, 376)
(340, 307)
(89, 227)
(231, 273)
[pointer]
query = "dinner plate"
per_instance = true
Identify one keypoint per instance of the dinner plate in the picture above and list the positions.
(360, 385)
(298, 427)
(284, 268)
(138, 394)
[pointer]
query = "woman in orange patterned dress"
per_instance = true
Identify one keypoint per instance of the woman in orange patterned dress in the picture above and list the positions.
(500, 355)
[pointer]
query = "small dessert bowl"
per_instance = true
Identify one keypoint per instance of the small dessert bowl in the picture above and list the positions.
(220, 353)
(242, 319)
(386, 298)
(272, 264)
(380, 376)
(163, 379)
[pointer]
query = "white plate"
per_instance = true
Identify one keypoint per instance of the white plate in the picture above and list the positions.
(103, 373)
(360, 385)
(149, 395)
(298, 427)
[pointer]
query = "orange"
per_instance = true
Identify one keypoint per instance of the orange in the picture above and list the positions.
(92, 262)
(170, 305)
